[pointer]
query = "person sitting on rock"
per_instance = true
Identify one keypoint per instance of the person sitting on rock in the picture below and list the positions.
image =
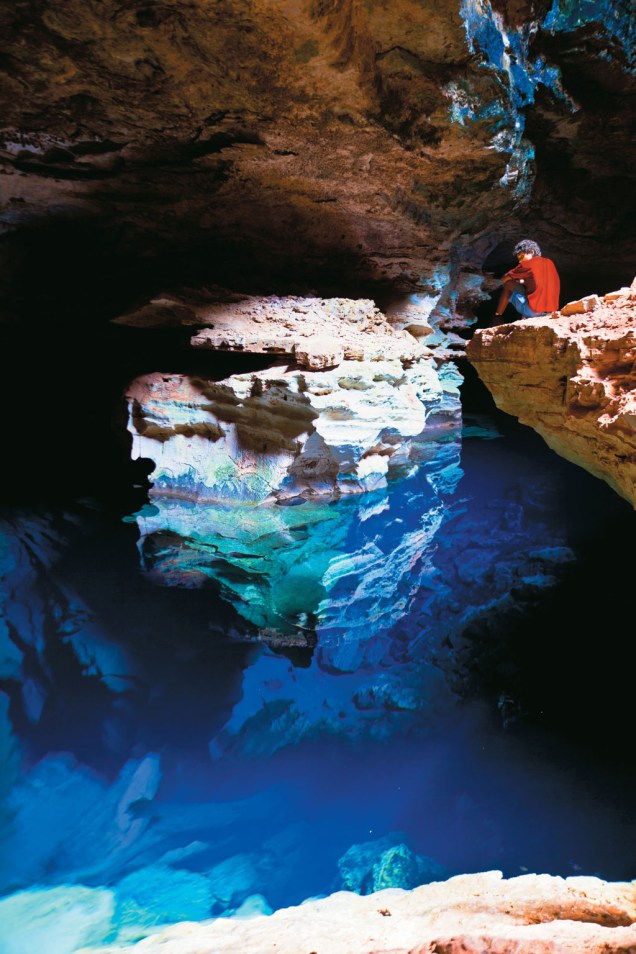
(531, 287)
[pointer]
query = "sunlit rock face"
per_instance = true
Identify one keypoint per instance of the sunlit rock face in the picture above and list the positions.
(381, 411)
(315, 332)
(279, 434)
(572, 376)
(359, 404)
(319, 142)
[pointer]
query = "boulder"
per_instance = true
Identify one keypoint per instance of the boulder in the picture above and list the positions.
(572, 377)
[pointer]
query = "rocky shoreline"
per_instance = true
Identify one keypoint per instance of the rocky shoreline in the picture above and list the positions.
(469, 914)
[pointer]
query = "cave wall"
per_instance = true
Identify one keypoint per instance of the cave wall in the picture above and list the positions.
(297, 144)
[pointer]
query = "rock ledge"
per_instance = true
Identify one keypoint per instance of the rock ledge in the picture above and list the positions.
(469, 914)
(572, 377)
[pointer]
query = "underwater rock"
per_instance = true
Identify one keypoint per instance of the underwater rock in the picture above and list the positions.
(471, 914)
(281, 433)
(386, 863)
(159, 894)
(572, 377)
(399, 619)
(252, 907)
(68, 825)
(331, 579)
(57, 920)
(288, 569)
(234, 880)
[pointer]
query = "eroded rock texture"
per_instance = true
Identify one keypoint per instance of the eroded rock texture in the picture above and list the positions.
(316, 333)
(358, 402)
(470, 914)
(572, 377)
(280, 433)
(310, 143)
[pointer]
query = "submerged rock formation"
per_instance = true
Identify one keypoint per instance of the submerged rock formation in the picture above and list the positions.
(572, 377)
(469, 914)
(113, 686)
(296, 571)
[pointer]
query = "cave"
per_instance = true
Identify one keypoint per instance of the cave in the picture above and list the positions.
(314, 572)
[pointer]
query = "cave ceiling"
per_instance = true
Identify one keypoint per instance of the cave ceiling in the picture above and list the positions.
(321, 144)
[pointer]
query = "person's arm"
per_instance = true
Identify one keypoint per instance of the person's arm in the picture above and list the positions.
(522, 274)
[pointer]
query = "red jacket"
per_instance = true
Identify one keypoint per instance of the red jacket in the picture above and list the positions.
(541, 280)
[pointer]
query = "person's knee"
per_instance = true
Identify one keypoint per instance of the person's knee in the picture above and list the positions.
(520, 303)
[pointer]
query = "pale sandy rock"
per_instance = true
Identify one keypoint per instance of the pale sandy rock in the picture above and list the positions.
(469, 914)
(572, 377)
(414, 313)
(322, 354)
(589, 303)
(316, 332)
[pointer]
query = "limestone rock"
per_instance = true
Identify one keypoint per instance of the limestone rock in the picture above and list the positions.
(317, 332)
(58, 920)
(572, 377)
(471, 914)
(284, 432)
(589, 303)
(386, 863)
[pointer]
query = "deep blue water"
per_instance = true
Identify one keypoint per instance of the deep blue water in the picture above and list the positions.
(159, 748)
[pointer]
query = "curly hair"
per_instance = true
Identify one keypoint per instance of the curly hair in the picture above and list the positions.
(527, 245)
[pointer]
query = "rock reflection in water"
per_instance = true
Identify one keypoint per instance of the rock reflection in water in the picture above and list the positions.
(300, 571)
(164, 758)
(400, 594)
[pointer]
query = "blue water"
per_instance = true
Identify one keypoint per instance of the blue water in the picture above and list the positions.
(181, 748)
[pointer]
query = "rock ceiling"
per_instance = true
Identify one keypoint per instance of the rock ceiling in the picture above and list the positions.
(314, 143)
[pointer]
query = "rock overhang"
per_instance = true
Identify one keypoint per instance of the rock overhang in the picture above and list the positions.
(326, 142)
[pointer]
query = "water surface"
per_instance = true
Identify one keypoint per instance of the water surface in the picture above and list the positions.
(207, 708)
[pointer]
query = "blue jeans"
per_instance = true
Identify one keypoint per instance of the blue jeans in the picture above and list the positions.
(520, 303)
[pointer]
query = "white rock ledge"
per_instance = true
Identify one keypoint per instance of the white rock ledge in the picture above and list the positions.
(349, 402)
(469, 914)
